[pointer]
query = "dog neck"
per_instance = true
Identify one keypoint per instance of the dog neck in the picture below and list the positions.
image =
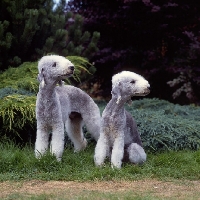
(115, 107)
(47, 91)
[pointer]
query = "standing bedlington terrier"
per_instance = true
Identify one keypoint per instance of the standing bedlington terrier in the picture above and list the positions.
(60, 107)
(118, 131)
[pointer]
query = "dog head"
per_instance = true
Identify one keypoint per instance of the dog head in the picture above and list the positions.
(128, 84)
(53, 69)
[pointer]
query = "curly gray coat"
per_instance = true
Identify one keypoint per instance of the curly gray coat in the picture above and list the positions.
(62, 107)
(118, 130)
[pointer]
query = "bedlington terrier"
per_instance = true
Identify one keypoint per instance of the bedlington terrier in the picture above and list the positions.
(118, 131)
(62, 107)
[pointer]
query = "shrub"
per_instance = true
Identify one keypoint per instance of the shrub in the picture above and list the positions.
(157, 39)
(22, 77)
(18, 88)
(83, 68)
(25, 76)
(162, 125)
(30, 29)
(165, 126)
(17, 112)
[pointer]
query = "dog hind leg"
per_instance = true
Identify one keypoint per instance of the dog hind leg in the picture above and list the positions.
(74, 130)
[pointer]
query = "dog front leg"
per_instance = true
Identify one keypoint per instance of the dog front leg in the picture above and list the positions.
(57, 142)
(42, 142)
(101, 150)
(117, 152)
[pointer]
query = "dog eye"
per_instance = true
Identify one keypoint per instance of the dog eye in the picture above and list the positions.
(132, 81)
(54, 64)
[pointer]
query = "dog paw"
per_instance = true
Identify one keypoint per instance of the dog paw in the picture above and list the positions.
(59, 159)
(100, 166)
(81, 146)
(99, 162)
(116, 166)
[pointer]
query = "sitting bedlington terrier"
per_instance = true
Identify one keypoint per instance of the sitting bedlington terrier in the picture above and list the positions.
(62, 106)
(118, 131)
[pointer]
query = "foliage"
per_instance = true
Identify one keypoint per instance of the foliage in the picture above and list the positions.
(72, 41)
(162, 125)
(24, 76)
(18, 88)
(166, 126)
(16, 112)
(4, 92)
(83, 68)
(158, 39)
(33, 28)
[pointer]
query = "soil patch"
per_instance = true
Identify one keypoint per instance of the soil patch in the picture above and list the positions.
(176, 189)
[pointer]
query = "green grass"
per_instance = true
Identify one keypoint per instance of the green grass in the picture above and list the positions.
(20, 164)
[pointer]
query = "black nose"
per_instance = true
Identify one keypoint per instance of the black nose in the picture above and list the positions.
(149, 87)
(72, 68)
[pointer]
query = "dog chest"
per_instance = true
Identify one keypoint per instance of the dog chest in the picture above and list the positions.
(48, 111)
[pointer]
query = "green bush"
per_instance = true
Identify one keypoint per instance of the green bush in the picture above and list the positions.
(16, 111)
(24, 76)
(164, 125)
(18, 88)
(30, 29)
(83, 68)
(9, 91)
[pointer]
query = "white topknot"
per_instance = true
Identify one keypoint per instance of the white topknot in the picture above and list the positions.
(124, 75)
(45, 61)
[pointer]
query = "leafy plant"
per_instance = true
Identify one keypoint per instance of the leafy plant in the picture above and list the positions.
(83, 68)
(33, 28)
(16, 111)
(164, 125)
(158, 39)
(18, 88)
(24, 77)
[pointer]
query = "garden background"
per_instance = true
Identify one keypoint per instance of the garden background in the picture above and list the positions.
(157, 39)
(160, 41)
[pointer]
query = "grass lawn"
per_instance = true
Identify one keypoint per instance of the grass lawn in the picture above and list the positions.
(20, 164)
(165, 175)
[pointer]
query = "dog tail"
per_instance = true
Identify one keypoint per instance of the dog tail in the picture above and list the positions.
(136, 153)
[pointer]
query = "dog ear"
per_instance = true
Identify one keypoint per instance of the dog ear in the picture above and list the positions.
(116, 91)
(40, 78)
